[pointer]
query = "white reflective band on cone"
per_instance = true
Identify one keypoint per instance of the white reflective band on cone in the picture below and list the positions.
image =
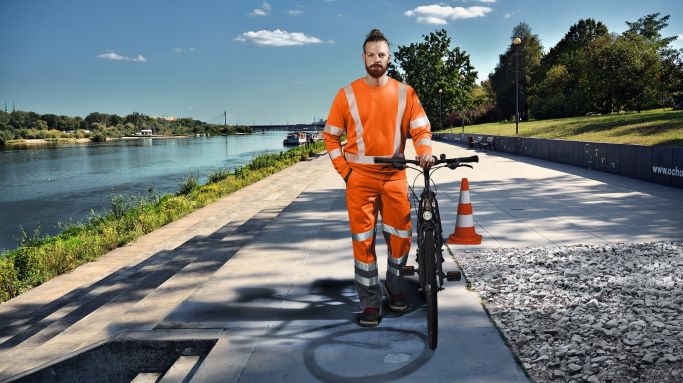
(394, 271)
(465, 197)
(464, 220)
(369, 282)
(365, 266)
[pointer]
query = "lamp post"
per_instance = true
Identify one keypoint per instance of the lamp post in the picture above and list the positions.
(462, 113)
(516, 42)
(440, 110)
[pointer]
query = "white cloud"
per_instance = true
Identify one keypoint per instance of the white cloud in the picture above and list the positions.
(680, 37)
(278, 38)
(113, 56)
(262, 11)
(431, 20)
(295, 12)
(439, 14)
(507, 15)
(488, 1)
(181, 51)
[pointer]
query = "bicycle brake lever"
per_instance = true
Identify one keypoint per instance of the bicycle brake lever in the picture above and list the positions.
(469, 166)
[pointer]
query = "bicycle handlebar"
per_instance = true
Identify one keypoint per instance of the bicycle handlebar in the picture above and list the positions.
(401, 162)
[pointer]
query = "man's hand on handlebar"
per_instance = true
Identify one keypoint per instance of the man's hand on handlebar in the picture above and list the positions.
(426, 161)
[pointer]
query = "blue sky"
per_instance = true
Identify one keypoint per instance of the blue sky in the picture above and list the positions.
(261, 61)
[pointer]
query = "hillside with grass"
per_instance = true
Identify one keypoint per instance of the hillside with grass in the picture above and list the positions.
(653, 128)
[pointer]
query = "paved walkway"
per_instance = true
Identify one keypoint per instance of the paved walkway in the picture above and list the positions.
(268, 271)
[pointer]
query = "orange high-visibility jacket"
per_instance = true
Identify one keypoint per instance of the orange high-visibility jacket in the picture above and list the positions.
(377, 121)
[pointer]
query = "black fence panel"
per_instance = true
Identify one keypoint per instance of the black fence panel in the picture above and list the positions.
(588, 161)
(662, 157)
(612, 158)
(627, 160)
(600, 156)
(644, 163)
(677, 167)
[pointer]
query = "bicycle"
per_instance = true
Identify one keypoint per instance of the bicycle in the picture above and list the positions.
(429, 236)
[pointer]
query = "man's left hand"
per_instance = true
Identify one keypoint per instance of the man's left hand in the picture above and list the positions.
(426, 161)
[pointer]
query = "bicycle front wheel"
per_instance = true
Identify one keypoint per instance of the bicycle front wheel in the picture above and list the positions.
(431, 288)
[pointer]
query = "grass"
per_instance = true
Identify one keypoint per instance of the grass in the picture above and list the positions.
(652, 128)
(39, 259)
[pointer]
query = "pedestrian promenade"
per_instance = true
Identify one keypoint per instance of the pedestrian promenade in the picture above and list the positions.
(266, 276)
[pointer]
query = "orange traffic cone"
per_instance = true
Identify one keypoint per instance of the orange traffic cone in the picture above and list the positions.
(464, 233)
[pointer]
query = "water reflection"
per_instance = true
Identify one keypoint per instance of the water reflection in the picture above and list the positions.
(46, 184)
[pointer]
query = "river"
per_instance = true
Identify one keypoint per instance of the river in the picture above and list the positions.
(43, 185)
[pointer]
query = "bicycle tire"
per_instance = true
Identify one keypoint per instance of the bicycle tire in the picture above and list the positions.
(431, 288)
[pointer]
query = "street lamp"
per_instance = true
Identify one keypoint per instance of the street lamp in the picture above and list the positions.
(516, 42)
(440, 110)
(462, 113)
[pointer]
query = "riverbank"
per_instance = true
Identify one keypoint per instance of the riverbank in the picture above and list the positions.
(48, 141)
(41, 259)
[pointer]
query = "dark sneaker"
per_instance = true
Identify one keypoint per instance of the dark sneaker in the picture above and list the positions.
(397, 302)
(369, 317)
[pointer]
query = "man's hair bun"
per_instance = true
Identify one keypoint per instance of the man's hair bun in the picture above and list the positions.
(375, 35)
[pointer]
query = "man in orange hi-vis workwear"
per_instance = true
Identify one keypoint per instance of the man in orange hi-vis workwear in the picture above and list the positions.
(377, 113)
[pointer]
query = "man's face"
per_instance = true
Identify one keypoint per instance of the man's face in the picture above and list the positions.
(376, 57)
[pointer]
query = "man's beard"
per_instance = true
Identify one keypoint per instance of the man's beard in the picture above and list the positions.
(376, 70)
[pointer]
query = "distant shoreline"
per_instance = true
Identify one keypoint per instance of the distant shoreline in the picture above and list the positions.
(46, 141)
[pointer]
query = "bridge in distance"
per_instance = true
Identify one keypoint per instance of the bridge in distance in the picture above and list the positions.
(318, 126)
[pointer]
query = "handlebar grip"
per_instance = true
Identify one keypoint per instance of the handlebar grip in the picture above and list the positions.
(469, 159)
(382, 160)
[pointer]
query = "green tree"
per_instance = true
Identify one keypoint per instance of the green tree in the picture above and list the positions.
(503, 77)
(549, 98)
(570, 53)
(623, 71)
(650, 27)
(431, 65)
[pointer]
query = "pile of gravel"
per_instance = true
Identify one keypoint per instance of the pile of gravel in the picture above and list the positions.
(611, 313)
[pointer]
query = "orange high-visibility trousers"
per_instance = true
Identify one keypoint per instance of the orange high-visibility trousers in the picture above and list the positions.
(365, 197)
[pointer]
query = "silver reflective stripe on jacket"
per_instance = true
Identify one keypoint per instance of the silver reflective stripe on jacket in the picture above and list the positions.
(423, 141)
(356, 159)
(363, 236)
(365, 266)
(419, 122)
(334, 153)
(399, 116)
(399, 233)
(333, 130)
(367, 281)
(351, 99)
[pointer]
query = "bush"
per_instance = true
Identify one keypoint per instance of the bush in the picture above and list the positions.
(218, 175)
(189, 183)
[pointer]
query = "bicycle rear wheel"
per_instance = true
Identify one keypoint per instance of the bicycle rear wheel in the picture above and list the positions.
(431, 287)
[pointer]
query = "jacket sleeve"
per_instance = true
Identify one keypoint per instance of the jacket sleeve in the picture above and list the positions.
(334, 129)
(419, 126)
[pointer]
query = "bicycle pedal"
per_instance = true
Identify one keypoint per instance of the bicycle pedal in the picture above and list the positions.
(408, 270)
(453, 276)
